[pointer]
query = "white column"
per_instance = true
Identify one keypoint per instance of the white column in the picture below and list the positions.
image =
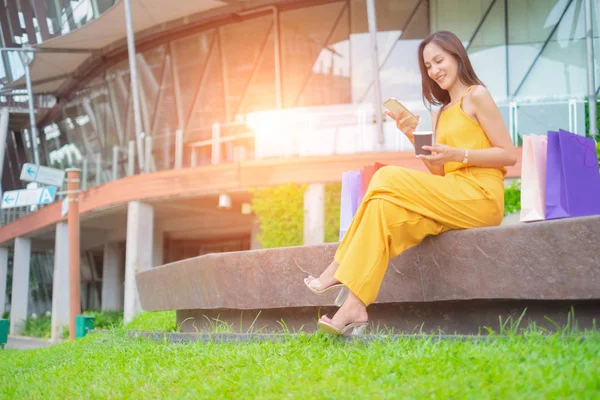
(4, 116)
(139, 252)
(3, 276)
(20, 285)
(60, 288)
(255, 230)
(112, 278)
(158, 247)
(314, 214)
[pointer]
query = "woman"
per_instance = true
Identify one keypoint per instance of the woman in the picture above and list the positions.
(401, 206)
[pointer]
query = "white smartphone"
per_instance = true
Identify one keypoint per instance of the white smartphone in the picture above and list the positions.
(396, 107)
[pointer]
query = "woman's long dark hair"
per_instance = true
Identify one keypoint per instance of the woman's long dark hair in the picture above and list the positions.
(432, 93)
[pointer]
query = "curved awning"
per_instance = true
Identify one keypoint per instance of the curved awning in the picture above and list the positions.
(58, 58)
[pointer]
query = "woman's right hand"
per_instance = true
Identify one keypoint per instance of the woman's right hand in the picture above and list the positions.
(405, 122)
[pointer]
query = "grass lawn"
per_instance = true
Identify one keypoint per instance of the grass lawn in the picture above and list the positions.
(115, 365)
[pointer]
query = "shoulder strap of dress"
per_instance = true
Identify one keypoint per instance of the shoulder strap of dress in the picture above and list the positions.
(465, 92)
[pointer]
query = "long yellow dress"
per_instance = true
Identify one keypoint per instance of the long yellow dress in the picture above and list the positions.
(403, 206)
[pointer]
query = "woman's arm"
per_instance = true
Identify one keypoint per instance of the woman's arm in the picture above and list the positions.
(407, 126)
(501, 154)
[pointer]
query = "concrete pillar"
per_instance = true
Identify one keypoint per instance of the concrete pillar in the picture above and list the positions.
(4, 116)
(254, 232)
(20, 285)
(60, 288)
(158, 257)
(139, 252)
(314, 214)
(3, 276)
(112, 278)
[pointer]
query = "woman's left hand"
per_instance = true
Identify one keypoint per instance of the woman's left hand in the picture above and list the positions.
(441, 154)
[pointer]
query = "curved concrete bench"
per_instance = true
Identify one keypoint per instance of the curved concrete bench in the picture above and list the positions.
(457, 282)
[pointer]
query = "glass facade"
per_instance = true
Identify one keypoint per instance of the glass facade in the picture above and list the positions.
(301, 82)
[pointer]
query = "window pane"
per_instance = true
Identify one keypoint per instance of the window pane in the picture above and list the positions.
(488, 52)
(260, 90)
(245, 45)
(190, 56)
(460, 17)
(315, 55)
(560, 71)
(400, 75)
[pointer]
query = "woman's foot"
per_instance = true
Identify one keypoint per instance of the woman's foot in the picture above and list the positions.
(325, 280)
(353, 311)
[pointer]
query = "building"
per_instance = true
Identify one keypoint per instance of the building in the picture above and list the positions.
(236, 94)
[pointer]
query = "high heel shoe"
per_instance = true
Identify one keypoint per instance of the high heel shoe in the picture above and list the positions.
(358, 328)
(341, 297)
(312, 286)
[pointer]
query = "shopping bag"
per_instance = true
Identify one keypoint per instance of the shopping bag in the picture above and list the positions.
(361, 186)
(348, 200)
(572, 177)
(369, 171)
(533, 178)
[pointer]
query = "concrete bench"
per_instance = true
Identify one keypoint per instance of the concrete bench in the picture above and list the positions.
(457, 282)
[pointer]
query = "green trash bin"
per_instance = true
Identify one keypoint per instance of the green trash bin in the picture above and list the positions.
(83, 324)
(4, 325)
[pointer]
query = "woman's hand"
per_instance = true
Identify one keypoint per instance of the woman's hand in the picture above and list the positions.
(441, 154)
(405, 122)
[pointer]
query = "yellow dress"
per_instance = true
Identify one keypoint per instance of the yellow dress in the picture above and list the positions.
(403, 206)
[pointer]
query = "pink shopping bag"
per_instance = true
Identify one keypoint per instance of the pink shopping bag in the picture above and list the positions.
(533, 178)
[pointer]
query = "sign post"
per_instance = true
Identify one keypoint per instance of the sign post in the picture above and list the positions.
(74, 251)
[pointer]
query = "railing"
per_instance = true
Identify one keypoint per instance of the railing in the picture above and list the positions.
(299, 133)
(19, 101)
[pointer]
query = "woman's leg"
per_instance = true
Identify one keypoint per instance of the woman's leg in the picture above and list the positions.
(327, 278)
(385, 231)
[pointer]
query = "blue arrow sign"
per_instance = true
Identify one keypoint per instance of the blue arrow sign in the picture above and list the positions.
(28, 197)
(41, 174)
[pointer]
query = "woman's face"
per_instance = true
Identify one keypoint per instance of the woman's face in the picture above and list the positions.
(441, 66)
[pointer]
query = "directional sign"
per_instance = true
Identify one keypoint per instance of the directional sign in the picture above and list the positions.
(41, 174)
(28, 197)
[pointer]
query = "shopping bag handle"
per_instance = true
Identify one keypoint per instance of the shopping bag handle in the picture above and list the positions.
(588, 146)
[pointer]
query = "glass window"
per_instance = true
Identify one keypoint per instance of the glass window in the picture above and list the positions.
(399, 67)
(315, 54)
(560, 70)
(460, 17)
(164, 119)
(189, 56)
(245, 49)
(596, 32)
(487, 52)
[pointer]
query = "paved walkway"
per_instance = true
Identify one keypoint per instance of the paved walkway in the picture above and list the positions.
(26, 343)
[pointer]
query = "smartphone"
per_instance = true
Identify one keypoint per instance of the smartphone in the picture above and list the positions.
(396, 107)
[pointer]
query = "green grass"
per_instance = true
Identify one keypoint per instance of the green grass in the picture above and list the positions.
(114, 365)
(38, 327)
(163, 321)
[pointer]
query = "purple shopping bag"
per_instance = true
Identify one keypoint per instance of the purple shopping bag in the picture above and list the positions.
(348, 200)
(572, 177)
(361, 186)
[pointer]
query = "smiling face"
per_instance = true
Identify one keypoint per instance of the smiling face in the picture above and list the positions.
(441, 66)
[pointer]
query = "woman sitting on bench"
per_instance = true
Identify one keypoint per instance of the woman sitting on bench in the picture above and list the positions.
(401, 207)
